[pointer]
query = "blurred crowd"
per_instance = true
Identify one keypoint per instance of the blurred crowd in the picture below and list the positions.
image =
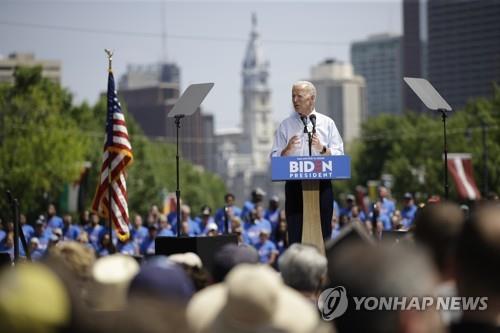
(447, 251)
(257, 223)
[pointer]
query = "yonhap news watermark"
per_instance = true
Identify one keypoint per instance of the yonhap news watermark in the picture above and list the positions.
(334, 302)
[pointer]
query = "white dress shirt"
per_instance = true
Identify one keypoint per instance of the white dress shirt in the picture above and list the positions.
(325, 130)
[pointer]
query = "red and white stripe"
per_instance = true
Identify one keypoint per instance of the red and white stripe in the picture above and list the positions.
(460, 167)
(116, 158)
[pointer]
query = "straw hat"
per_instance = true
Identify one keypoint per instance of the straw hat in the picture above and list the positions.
(253, 298)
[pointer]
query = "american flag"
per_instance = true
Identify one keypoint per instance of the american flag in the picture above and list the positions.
(117, 156)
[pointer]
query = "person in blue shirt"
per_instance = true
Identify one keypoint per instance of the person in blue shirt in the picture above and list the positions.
(94, 231)
(35, 251)
(351, 208)
(205, 219)
(126, 247)
(53, 221)
(266, 249)
(193, 228)
(378, 222)
(408, 211)
(138, 230)
(229, 211)
(103, 248)
(257, 196)
(272, 214)
(165, 229)
(42, 235)
(70, 231)
(387, 207)
(147, 247)
(7, 244)
(28, 230)
(335, 226)
(253, 228)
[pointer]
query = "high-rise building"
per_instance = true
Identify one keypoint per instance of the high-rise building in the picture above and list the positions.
(464, 48)
(378, 60)
(340, 95)
(51, 69)
(414, 48)
(150, 93)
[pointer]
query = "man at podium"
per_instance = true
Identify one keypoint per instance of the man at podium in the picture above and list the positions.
(292, 139)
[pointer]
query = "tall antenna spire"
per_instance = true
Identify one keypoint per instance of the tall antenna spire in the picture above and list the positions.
(254, 21)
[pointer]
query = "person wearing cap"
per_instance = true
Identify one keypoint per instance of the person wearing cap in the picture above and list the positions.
(257, 196)
(230, 256)
(148, 244)
(205, 219)
(252, 298)
(352, 210)
(266, 249)
(211, 230)
(229, 211)
(408, 211)
(43, 237)
(290, 140)
(35, 251)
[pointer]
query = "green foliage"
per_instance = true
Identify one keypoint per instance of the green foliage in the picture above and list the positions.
(44, 139)
(41, 148)
(410, 147)
(153, 169)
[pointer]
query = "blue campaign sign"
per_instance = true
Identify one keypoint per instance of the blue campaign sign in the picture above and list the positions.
(310, 167)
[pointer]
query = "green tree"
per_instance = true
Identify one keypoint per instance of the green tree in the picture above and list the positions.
(41, 148)
(410, 147)
(153, 169)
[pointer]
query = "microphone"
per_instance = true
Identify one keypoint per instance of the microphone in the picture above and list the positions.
(313, 121)
(304, 121)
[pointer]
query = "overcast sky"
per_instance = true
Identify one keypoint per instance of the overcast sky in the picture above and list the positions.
(206, 39)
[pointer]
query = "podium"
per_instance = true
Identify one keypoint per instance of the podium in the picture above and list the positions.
(310, 170)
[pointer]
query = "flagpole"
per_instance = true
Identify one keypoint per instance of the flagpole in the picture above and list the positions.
(111, 248)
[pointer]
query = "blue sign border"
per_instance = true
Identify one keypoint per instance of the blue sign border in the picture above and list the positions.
(310, 167)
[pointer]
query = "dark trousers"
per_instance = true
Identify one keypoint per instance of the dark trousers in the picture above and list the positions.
(293, 209)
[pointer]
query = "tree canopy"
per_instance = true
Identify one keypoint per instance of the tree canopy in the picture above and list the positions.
(45, 138)
(410, 148)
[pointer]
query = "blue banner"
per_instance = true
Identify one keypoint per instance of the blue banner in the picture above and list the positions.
(310, 167)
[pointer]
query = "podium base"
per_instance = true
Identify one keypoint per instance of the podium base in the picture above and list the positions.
(311, 226)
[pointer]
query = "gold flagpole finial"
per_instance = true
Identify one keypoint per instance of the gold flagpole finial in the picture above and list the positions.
(110, 57)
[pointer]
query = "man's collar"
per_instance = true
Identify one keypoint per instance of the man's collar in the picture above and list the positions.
(298, 115)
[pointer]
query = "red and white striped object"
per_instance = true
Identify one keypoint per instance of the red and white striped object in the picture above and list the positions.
(460, 167)
(117, 156)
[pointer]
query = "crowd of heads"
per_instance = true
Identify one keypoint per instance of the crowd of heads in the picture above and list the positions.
(444, 250)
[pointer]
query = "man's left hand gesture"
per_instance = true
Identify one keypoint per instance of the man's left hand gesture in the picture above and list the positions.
(316, 144)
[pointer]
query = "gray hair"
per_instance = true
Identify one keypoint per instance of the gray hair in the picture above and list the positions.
(308, 85)
(302, 267)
